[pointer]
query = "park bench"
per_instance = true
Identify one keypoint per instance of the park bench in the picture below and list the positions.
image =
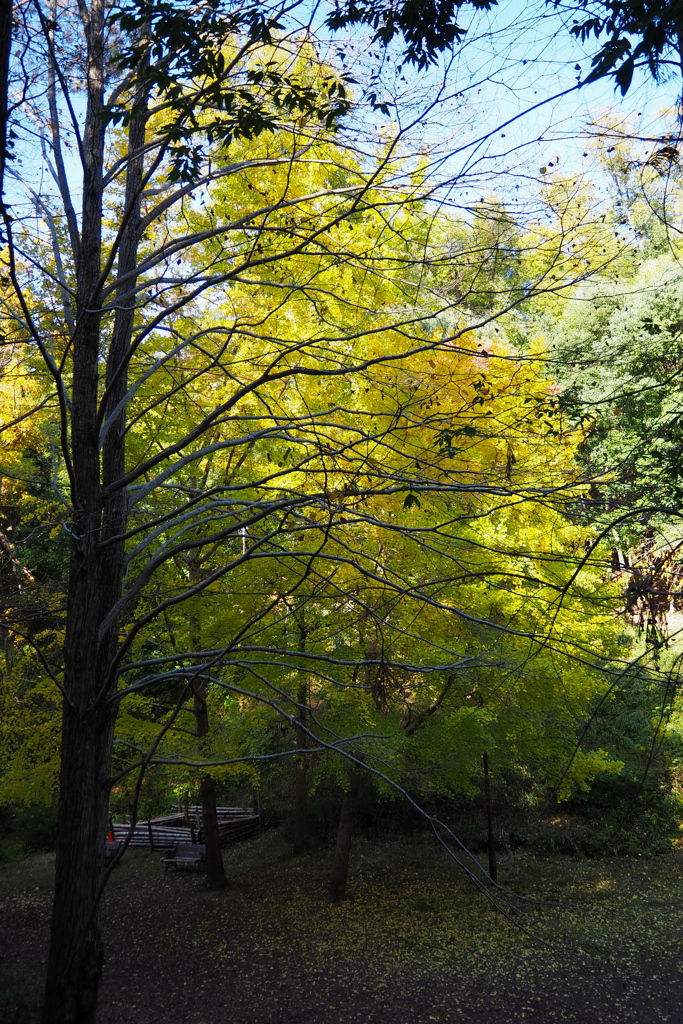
(186, 855)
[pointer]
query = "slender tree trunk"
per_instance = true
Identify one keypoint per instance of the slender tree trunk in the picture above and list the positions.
(95, 578)
(215, 871)
(347, 821)
(300, 776)
(75, 959)
(490, 837)
(76, 956)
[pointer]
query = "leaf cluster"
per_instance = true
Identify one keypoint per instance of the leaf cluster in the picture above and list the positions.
(192, 60)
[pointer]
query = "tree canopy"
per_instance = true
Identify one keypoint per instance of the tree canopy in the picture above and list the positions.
(289, 468)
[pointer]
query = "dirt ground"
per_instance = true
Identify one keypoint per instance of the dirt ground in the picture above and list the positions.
(414, 942)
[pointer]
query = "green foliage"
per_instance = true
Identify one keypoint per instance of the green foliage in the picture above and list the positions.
(193, 59)
(428, 27)
(620, 818)
(24, 830)
(29, 725)
(637, 32)
(419, 578)
(621, 358)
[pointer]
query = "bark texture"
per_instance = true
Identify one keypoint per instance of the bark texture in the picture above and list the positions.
(96, 569)
(210, 836)
(490, 835)
(75, 959)
(215, 870)
(347, 821)
(301, 776)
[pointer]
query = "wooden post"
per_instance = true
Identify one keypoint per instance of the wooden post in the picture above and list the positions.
(151, 835)
(493, 869)
(256, 807)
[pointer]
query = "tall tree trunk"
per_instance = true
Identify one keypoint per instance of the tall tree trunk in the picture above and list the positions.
(490, 837)
(95, 577)
(342, 852)
(75, 959)
(215, 870)
(300, 776)
(76, 956)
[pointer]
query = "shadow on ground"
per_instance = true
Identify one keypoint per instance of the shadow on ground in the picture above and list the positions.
(414, 942)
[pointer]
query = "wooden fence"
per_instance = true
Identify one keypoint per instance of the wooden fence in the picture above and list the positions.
(234, 824)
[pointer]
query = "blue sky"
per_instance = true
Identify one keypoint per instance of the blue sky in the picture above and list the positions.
(510, 102)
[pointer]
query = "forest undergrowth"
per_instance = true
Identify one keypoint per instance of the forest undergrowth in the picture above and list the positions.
(413, 941)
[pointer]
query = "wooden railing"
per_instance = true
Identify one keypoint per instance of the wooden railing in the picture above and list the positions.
(234, 824)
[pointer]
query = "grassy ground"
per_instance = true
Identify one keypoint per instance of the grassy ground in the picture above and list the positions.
(414, 942)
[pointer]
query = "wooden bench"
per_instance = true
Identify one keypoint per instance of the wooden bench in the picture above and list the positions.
(111, 848)
(186, 855)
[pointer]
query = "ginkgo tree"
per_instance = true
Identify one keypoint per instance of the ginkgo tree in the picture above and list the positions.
(242, 368)
(359, 650)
